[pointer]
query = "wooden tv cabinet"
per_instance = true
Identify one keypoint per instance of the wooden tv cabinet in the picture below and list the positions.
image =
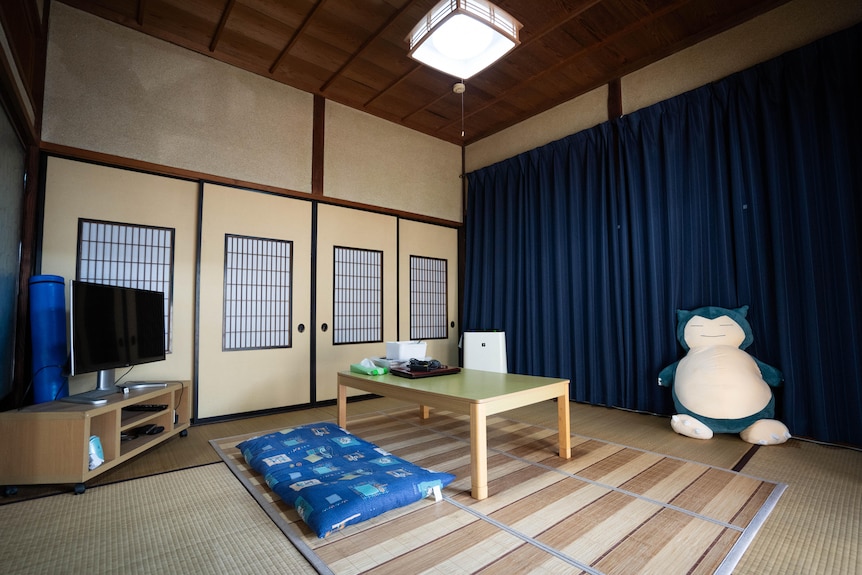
(48, 443)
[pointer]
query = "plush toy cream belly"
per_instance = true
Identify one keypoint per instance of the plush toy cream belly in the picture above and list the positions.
(722, 382)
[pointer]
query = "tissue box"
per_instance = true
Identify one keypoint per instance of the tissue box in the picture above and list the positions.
(405, 350)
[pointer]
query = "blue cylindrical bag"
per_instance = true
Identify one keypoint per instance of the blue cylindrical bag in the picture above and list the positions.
(48, 336)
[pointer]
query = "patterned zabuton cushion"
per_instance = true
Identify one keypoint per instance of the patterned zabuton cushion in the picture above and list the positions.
(334, 478)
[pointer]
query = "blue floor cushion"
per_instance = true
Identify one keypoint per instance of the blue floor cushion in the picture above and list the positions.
(333, 478)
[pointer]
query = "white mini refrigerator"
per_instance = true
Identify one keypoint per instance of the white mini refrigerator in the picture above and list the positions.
(485, 351)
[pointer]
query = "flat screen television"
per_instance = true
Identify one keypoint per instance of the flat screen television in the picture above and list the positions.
(113, 327)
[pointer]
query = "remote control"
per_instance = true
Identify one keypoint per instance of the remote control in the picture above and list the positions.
(146, 407)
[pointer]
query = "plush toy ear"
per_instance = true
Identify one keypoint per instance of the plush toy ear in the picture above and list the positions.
(743, 311)
(682, 317)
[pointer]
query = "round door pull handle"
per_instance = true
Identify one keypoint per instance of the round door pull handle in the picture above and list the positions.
(324, 327)
(300, 328)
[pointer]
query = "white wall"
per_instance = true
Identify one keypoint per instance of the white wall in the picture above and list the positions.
(785, 28)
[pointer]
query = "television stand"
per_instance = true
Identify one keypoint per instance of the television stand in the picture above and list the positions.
(92, 397)
(126, 387)
(48, 443)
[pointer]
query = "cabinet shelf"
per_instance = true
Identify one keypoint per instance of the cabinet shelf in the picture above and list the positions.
(48, 443)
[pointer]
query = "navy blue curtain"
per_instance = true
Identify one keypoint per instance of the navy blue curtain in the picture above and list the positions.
(745, 191)
(538, 260)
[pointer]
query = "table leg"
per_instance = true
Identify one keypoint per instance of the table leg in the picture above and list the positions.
(342, 406)
(478, 451)
(424, 412)
(564, 426)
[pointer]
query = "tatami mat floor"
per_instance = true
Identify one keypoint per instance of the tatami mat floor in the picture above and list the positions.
(816, 527)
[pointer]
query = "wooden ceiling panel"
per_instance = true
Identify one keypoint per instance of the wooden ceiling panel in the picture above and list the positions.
(292, 13)
(448, 108)
(555, 89)
(354, 52)
(600, 68)
(497, 117)
(364, 74)
(395, 109)
(713, 17)
(194, 22)
(316, 52)
(246, 52)
(246, 21)
(410, 97)
(448, 129)
(389, 51)
(300, 73)
(125, 11)
(329, 28)
(601, 21)
(348, 90)
(628, 47)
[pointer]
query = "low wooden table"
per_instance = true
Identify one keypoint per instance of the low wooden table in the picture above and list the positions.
(471, 392)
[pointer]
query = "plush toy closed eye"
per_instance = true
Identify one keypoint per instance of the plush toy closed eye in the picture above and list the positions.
(718, 387)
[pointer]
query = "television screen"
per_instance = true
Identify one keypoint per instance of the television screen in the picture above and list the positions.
(146, 326)
(115, 327)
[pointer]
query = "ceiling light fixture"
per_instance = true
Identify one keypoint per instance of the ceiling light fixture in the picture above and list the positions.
(463, 37)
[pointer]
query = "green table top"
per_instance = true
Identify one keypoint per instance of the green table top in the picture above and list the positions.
(468, 384)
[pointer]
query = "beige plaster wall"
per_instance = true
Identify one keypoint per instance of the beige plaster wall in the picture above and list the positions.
(114, 90)
(568, 118)
(376, 162)
(785, 28)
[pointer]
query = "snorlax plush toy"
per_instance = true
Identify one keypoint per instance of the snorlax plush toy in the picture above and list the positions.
(717, 387)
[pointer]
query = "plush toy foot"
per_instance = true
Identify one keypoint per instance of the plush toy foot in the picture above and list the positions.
(690, 427)
(766, 432)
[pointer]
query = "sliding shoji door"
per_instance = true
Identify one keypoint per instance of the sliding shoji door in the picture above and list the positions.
(85, 201)
(356, 290)
(255, 289)
(428, 288)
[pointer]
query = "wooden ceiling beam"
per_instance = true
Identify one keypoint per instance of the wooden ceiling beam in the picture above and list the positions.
(392, 85)
(370, 40)
(142, 9)
(296, 35)
(221, 24)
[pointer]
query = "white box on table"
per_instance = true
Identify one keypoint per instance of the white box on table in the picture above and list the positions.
(405, 350)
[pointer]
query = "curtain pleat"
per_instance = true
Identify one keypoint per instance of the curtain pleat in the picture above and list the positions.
(747, 191)
(539, 259)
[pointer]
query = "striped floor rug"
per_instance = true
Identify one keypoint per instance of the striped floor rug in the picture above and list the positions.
(609, 509)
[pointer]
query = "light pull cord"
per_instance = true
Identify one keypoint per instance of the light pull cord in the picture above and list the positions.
(460, 88)
(463, 133)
